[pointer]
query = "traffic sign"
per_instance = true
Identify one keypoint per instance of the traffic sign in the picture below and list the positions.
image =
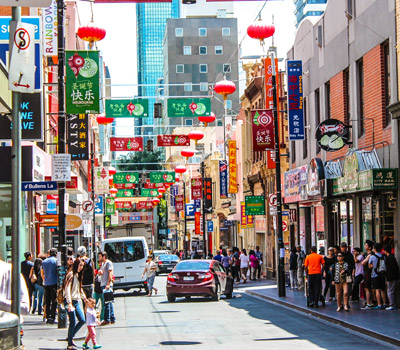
(26, 3)
(87, 206)
(272, 198)
(190, 209)
(98, 205)
(39, 186)
(284, 226)
(210, 226)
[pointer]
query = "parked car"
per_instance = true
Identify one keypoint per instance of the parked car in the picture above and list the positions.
(206, 278)
(166, 263)
(159, 252)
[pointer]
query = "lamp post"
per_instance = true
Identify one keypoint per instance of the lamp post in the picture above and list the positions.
(184, 216)
(203, 199)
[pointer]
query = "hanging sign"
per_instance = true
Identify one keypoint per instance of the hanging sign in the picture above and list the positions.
(196, 188)
(124, 186)
(243, 221)
(172, 140)
(101, 180)
(174, 192)
(78, 136)
(179, 202)
(149, 192)
(61, 167)
(255, 205)
(332, 135)
(144, 205)
(126, 178)
(223, 179)
(49, 29)
(197, 224)
(197, 204)
(125, 193)
(263, 130)
(127, 108)
(208, 204)
(269, 92)
(295, 100)
(233, 187)
(162, 177)
(189, 107)
(124, 205)
(148, 184)
(110, 206)
(250, 221)
(82, 92)
(271, 160)
(126, 144)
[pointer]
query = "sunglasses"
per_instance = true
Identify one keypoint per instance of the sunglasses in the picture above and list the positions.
(340, 256)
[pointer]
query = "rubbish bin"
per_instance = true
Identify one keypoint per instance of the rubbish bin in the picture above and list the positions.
(9, 328)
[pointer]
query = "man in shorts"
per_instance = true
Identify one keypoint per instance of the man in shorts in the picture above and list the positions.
(378, 281)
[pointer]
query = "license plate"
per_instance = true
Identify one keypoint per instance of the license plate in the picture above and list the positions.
(188, 278)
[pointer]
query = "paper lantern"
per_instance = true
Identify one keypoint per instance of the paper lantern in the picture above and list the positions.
(91, 34)
(187, 152)
(260, 31)
(155, 201)
(180, 169)
(177, 178)
(196, 135)
(161, 190)
(207, 118)
(102, 119)
(113, 190)
(112, 170)
(225, 88)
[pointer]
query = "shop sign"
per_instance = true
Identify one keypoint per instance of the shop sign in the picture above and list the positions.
(319, 218)
(179, 202)
(233, 187)
(332, 169)
(196, 185)
(110, 206)
(82, 91)
(294, 183)
(243, 218)
(78, 136)
(174, 192)
(269, 92)
(255, 205)
(375, 179)
(124, 186)
(250, 221)
(144, 205)
(229, 223)
(350, 173)
(50, 29)
(126, 144)
(260, 224)
(197, 224)
(127, 108)
(208, 206)
(332, 135)
(263, 130)
(295, 100)
(315, 174)
(72, 221)
(172, 140)
(147, 192)
(126, 178)
(223, 179)
(162, 177)
(139, 217)
(188, 107)
(101, 180)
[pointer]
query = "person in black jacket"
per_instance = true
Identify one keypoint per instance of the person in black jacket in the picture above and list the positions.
(26, 267)
(349, 259)
(38, 285)
(293, 269)
(392, 275)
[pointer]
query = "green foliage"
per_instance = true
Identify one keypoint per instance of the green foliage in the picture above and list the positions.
(139, 160)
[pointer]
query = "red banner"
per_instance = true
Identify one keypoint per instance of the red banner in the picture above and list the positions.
(124, 186)
(250, 222)
(127, 144)
(197, 219)
(150, 185)
(179, 202)
(123, 205)
(263, 130)
(173, 140)
(144, 205)
(89, 175)
(196, 188)
(271, 159)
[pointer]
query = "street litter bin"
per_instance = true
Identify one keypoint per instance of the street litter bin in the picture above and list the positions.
(9, 328)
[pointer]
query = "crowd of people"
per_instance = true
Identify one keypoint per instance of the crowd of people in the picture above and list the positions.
(347, 276)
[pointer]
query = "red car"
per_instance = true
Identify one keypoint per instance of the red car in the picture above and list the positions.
(206, 278)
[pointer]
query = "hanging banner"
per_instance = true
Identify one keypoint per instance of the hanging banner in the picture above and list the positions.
(263, 130)
(110, 206)
(223, 179)
(233, 186)
(126, 177)
(123, 205)
(196, 188)
(172, 140)
(197, 204)
(269, 91)
(78, 136)
(124, 186)
(250, 221)
(144, 205)
(174, 192)
(145, 192)
(49, 29)
(82, 91)
(126, 144)
(188, 107)
(179, 202)
(101, 180)
(197, 223)
(162, 177)
(126, 193)
(255, 205)
(295, 100)
(208, 203)
(243, 218)
(127, 108)
(148, 184)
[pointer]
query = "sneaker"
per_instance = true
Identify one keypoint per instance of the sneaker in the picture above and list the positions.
(391, 308)
(104, 323)
(379, 307)
(385, 306)
(85, 346)
(97, 346)
(367, 307)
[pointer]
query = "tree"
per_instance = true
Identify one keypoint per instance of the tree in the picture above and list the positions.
(139, 161)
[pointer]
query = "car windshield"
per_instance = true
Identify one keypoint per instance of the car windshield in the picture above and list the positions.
(193, 266)
(168, 257)
(159, 253)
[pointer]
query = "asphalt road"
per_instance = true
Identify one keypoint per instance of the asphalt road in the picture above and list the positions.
(243, 322)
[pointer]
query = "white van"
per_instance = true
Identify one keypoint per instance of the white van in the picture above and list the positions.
(128, 255)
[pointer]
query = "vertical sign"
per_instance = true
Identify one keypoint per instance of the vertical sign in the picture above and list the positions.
(250, 222)
(232, 167)
(223, 179)
(208, 204)
(196, 188)
(78, 136)
(82, 91)
(243, 218)
(174, 193)
(295, 100)
(263, 130)
(101, 180)
(90, 169)
(179, 202)
(197, 228)
(110, 206)
(271, 160)
(269, 95)
(49, 27)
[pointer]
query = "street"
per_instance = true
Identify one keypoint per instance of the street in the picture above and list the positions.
(241, 322)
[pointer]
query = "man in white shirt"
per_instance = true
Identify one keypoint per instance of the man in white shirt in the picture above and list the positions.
(106, 273)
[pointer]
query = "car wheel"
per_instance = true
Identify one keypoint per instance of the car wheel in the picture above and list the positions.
(126, 289)
(187, 297)
(217, 295)
(171, 298)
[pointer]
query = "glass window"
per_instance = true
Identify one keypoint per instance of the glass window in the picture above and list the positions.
(226, 68)
(203, 50)
(219, 122)
(178, 31)
(193, 266)
(226, 31)
(168, 257)
(203, 86)
(188, 122)
(188, 86)
(124, 251)
(187, 50)
(180, 68)
(219, 50)
(203, 68)
(202, 31)
(229, 104)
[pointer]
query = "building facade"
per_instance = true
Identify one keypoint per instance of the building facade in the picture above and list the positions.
(308, 8)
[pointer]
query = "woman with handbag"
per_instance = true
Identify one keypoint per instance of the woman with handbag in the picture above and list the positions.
(150, 271)
(36, 279)
(341, 278)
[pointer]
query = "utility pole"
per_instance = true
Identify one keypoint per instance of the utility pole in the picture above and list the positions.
(203, 200)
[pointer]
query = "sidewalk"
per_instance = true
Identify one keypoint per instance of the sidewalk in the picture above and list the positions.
(380, 324)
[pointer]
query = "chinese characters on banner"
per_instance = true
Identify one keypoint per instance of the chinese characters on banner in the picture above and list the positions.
(179, 202)
(172, 140)
(127, 108)
(124, 186)
(148, 184)
(250, 221)
(82, 92)
(123, 205)
(101, 180)
(271, 159)
(130, 144)
(188, 107)
(174, 192)
(232, 167)
(126, 177)
(243, 218)
(208, 204)
(263, 130)
(223, 179)
(295, 100)
(110, 206)
(144, 205)
(147, 192)
(269, 98)
(125, 193)
(196, 188)
(78, 136)
(197, 227)
(162, 177)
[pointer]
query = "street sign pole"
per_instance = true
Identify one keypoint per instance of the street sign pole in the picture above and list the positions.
(93, 195)
(205, 231)
(186, 240)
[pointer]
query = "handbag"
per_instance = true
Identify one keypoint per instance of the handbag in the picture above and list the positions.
(108, 296)
(33, 278)
(349, 279)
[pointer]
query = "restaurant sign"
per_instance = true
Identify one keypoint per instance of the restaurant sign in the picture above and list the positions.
(255, 205)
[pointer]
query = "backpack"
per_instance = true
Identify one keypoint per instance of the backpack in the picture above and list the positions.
(380, 269)
(88, 272)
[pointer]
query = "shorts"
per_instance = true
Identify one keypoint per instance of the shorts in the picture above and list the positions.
(378, 282)
(367, 281)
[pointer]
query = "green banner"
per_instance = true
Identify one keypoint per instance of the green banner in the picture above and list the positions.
(133, 108)
(255, 205)
(188, 107)
(82, 92)
(160, 177)
(126, 178)
(148, 192)
(110, 206)
(125, 193)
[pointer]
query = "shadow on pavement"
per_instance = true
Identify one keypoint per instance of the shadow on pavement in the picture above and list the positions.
(180, 342)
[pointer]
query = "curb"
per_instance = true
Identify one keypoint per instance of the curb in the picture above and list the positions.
(345, 324)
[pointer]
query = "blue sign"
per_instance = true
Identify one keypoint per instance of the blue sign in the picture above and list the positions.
(223, 179)
(197, 203)
(5, 26)
(98, 209)
(190, 209)
(39, 186)
(295, 100)
(210, 226)
(174, 192)
(51, 205)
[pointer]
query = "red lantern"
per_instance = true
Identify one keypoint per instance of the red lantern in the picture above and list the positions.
(180, 169)
(207, 118)
(196, 135)
(112, 170)
(159, 195)
(225, 88)
(187, 152)
(260, 31)
(156, 201)
(161, 190)
(113, 191)
(91, 34)
(111, 181)
(177, 178)
(102, 119)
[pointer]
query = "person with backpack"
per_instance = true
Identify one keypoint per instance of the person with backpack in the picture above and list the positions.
(36, 278)
(392, 275)
(88, 272)
(378, 265)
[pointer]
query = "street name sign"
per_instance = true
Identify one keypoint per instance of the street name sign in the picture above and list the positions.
(39, 186)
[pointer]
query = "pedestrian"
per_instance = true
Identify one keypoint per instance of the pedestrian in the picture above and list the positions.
(88, 272)
(73, 292)
(35, 277)
(378, 266)
(210, 256)
(26, 267)
(341, 272)
(150, 271)
(236, 264)
(218, 256)
(293, 269)
(358, 274)
(314, 265)
(367, 275)
(91, 323)
(301, 256)
(253, 265)
(195, 255)
(259, 256)
(330, 261)
(106, 273)
(244, 264)
(392, 275)
(49, 275)
(349, 259)
(226, 261)
(98, 292)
